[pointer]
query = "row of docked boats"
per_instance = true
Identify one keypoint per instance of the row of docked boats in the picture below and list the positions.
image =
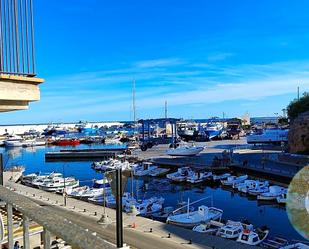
(100, 192)
(138, 169)
(262, 190)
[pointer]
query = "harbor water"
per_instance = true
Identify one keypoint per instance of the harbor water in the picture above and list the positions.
(236, 206)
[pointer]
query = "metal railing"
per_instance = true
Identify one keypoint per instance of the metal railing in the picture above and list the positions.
(17, 38)
(51, 222)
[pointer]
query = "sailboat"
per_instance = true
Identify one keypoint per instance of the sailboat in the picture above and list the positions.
(193, 218)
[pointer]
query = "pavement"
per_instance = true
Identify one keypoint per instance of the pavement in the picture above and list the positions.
(146, 234)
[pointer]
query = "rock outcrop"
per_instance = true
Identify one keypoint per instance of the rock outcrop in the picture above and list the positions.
(299, 134)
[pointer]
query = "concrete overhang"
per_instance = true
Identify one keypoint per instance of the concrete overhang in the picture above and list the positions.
(16, 92)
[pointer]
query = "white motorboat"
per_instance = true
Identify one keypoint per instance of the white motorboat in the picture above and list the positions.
(250, 184)
(144, 169)
(282, 198)
(198, 177)
(77, 191)
(181, 174)
(232, 229)
(274, 192)
(40, 178)
(298, 245)
(185, 151)
(17, 141)
(159, 172)
(99, 188)
(210, 227)
(57, 183)
(253, 237)
(270, 136)
(127, 200)
(148, 208)
(220, 177)
(111, 164)
(231, 180)
(28, 179)
(13, 141)
(190, 219)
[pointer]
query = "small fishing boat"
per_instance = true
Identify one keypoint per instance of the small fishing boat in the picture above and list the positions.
(210, 227)
(253, 237)
(185, 151)
(144, 169)
(231, 180)
(220, 177)
(199, 177)
(159, 172)
(232, 229)
(272, 194)
(181, 174)
(190, 219)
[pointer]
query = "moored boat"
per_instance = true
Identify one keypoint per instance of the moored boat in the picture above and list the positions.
(67, 142)
(272, 194)
(231, 180)
(253, 237)
(181, 174)
(190, 219)
(185, 151)
(57, 183)
(210, 227)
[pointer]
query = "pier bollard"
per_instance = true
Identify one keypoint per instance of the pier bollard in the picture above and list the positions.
(33, 195)
(150, 230)
(47, 199)
(190, 242)
(95, 213)
(56, 202)
(84, 210)
(169, 235)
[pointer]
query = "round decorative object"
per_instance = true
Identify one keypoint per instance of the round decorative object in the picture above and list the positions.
(297, 204)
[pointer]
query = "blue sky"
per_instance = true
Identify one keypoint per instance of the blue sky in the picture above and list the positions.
(204, 57)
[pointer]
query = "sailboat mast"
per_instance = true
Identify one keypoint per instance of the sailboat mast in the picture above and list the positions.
(133, 102)
(165, 109)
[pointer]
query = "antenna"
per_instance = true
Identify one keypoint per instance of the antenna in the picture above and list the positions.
(165, 109)
(298, 93)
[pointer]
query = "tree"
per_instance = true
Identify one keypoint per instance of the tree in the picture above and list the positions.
(297, 107)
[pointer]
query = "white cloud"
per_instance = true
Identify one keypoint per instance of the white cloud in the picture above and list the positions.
(159, 63)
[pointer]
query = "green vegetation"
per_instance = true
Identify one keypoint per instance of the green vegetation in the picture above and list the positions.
(297, 107)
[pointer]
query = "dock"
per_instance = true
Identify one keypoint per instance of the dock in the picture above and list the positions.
(83, 155)
(147, 233)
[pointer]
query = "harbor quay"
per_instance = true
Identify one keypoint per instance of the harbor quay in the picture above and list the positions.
(139, 232)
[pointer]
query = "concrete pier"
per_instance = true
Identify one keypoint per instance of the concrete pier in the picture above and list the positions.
(146, 233)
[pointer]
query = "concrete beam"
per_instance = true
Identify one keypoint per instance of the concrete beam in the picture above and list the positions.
(17, 91)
